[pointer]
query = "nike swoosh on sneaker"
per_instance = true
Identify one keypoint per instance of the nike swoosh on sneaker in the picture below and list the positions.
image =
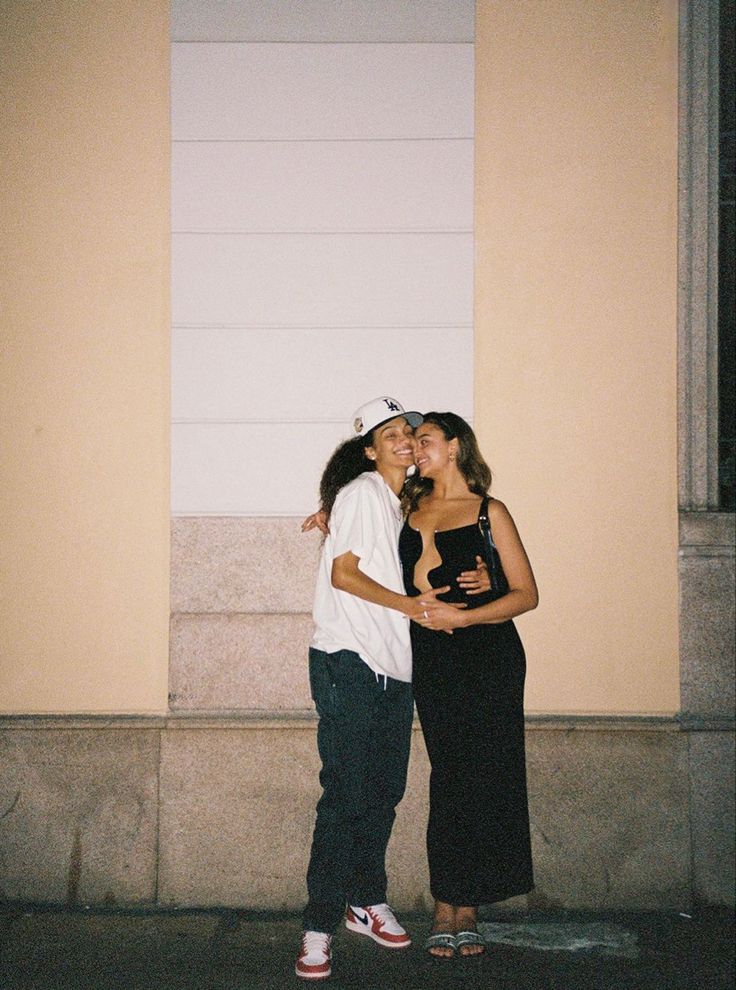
(365, 920)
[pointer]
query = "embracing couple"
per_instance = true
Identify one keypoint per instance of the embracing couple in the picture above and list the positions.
(419, 579)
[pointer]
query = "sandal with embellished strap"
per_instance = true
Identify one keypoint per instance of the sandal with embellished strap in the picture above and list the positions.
(440, 940)
(469, 938)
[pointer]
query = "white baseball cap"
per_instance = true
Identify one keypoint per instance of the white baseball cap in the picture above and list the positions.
(381, 410)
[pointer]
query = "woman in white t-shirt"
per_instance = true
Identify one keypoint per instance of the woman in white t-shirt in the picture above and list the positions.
(360, 677)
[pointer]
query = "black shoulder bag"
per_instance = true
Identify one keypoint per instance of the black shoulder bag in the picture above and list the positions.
(499, 584)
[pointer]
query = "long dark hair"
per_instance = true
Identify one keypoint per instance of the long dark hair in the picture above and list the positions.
(346, 463)
(470, 461)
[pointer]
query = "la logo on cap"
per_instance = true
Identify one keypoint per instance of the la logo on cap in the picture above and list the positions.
(371, 414)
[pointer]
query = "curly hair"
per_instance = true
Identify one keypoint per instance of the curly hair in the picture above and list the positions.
(346, 463)
(470, 461)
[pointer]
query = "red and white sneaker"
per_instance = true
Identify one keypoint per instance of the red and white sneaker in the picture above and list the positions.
(314, 961)
(379, 923)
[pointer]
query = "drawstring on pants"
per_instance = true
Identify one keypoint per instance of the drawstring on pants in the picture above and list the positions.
(378, 679)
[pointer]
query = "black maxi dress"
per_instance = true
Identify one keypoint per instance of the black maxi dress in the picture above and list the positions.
(469, 690)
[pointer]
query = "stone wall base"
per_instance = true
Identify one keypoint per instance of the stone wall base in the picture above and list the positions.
(191, 810)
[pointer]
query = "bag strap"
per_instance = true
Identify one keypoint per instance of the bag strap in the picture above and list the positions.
(491, 552)
(485, 523)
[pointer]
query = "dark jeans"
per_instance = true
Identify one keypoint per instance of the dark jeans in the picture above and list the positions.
(364, 735)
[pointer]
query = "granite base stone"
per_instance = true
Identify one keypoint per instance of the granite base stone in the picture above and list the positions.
(609, 819)
(237, 813)
(79, 816)
(708, 613)
(239, 661)
(236, 564)
(713, 816)
(194, 811)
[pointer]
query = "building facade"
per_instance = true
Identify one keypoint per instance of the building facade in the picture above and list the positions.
(229, 225)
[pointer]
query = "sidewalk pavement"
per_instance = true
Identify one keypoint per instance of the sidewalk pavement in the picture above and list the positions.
(50, 948)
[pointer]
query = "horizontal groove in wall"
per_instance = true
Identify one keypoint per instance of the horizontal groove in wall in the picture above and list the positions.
(181, 421)
(261, 41)
(307, 719)
(316, 326)
(693, 722)
(230, 514)
(259, 422)
(285, 232)
(332, 44)
(323, 22)
(705, 552)
(318, 231)
(229, 615)
(330, 140)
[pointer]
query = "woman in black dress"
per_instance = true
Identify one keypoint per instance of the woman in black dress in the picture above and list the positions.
(468, 685)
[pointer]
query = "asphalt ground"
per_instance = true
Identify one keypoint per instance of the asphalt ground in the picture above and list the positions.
(50, 948)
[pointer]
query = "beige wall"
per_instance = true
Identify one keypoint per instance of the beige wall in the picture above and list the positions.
(575, 345)
(576, 334)
(85, 288)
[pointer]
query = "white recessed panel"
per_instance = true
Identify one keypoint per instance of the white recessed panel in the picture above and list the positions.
(318, 374)
(308, 92)
(322, 280)
(256, 469)
(332, 185)
(323, 20)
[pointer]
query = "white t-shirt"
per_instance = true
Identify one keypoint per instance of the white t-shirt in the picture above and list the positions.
(365, 520)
